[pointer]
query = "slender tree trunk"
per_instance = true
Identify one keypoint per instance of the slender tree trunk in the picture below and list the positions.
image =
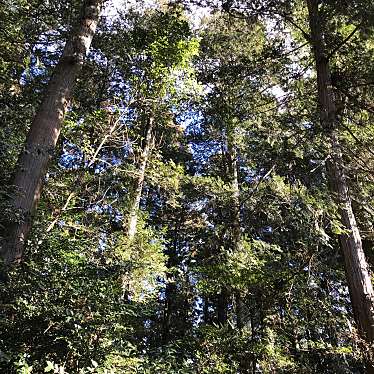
(44, 132)
(239, 310)
(236, 220)
(233, 170)
(358, 277)
(147, 148)
(170, 294)
(253, 339)
(171, 287)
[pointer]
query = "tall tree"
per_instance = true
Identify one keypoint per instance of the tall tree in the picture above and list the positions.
(139, 183)
(357, 271)
(235, 264)
(44, 132)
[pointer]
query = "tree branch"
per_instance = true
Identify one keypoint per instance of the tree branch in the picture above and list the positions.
(343, 42)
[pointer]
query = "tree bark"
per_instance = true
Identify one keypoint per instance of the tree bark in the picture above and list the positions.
(170, 305)
(357, 271)
(170, 294)
(222, 306)
(133, 216)
(236, 220)
(44, 132)
(234, 179)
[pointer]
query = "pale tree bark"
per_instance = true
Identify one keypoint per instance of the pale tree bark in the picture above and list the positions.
(234, 179)
(356, 266)
(236, 220)
(147, 149)
(44, 132)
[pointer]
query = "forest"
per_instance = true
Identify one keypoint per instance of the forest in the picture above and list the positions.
(186, 186)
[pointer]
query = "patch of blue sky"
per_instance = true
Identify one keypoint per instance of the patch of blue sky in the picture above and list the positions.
(71, 157)
(101, 166)
(251, 175)
(190, 121)
(203, 151)
(119, 83)
(267, 229)
(198, 205)
(103, 242)
(98, 57)
(113, 213)
(127, 149)
(49, 45)
(124, 94)
(34, 70)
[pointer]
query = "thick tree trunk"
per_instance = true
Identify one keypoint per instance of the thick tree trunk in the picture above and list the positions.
(358, 277)
(44, 132)
(222, 306)
(357, 270)
(147, 148)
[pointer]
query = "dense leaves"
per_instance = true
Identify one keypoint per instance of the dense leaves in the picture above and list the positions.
(235, 265)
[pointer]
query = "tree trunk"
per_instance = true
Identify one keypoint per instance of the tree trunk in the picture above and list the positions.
(358, 277)
(222, 304)
(234, 179)
(171, 293)
(236, 220)
(133, 216)
(44, 132)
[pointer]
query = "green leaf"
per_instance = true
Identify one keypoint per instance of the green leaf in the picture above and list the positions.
(50, 366)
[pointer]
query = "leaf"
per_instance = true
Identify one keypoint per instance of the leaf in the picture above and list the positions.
(50, 367)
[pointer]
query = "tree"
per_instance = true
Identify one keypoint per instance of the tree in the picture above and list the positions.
(44, 132)
(357, 271)
(208, 138)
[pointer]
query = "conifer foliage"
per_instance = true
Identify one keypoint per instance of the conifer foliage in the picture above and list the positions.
(186, 186)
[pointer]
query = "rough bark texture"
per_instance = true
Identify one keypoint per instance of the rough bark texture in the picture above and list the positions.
(44, 132)
(357, 272)
(147, 147)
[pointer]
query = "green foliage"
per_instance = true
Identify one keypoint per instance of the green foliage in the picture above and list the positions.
(227, 272)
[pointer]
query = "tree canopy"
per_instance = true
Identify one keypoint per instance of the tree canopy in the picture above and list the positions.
(186, 186)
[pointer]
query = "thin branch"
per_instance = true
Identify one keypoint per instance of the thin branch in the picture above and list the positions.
(257, 185)
(364, 206)
(53, 223)
(293, 23)
(343, 42)
(111, 130)
(357, 139)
